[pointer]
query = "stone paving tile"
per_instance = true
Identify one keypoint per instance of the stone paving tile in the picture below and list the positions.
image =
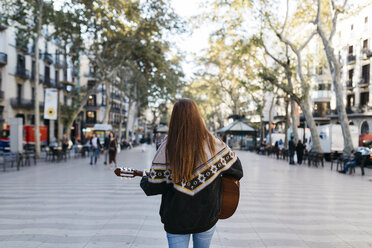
(73, 204)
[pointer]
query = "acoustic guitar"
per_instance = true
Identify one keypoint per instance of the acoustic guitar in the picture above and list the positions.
(230, 190)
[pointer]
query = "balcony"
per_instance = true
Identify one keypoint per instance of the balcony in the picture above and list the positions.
(321, 95)
(3, 59)
(60, 64)
(21, 45)
(91, 106)
(49, 83)
(367, 52)
(48, 58)
(363, 82)
(23, 103)
(349, 84)
(351, 59)
(22, 73)
(323, 113)
(3, 25)
(1, 95)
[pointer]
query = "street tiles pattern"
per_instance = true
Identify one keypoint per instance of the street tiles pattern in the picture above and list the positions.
(73, 204)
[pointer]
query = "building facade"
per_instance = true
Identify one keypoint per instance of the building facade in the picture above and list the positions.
(17, 77)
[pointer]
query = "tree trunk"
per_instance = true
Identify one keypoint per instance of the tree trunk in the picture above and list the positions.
(306, 110)
(108, 103)
(270, 118)
(334, 67)
(293, 105)
(120, 121)
(286, 123)
(37, 69)
(130, 103)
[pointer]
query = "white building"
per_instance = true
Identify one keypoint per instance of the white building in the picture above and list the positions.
(17, 75)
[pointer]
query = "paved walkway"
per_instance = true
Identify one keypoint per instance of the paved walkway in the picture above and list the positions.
(73, 204)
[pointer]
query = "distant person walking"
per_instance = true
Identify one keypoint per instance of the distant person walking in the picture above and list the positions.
(95, 146)
(113, 147)
(106, 146)
(291, 150)
(300, 151)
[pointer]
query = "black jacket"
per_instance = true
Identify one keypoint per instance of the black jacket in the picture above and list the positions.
(181, 213)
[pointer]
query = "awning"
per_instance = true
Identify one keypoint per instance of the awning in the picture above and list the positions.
(237, 127)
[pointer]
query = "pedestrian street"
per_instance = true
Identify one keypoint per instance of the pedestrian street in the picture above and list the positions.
(73, 204)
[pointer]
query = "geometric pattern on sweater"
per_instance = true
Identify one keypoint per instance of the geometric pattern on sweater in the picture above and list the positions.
(202, 177)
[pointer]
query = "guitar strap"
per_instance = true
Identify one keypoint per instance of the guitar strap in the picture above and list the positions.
(205, 173)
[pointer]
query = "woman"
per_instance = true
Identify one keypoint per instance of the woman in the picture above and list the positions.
(300, 151)
(113, 144)
(187, 171)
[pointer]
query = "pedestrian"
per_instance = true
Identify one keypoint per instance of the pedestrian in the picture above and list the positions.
(113, 146)
(106, 146)
(65, 142)
(187, 170)
(277, 149)
(300, 151)
(357, 159)
(291, 150)
(95, 146)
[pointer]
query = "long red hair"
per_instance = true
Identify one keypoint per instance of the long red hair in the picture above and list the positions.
(187, 136)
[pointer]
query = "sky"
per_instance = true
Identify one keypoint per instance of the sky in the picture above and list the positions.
(193, 42)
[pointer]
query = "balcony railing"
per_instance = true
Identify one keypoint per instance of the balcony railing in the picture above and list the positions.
(367, 52)
(323, 113)
(21, 45)
(23, 103)
(1, 95)
(351, 59)
(3, 59)
(363, 82)
(22, 73)
(349, 84)
(321, 94)
(60, 63)
(48, 58)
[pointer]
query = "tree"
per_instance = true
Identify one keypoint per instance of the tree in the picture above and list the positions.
(334, 64)
(297, 48)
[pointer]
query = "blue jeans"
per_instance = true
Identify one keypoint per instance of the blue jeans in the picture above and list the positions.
(348, 164)
(94, 152)
(200, 240)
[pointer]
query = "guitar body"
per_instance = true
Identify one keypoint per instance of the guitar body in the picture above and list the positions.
(230, 197)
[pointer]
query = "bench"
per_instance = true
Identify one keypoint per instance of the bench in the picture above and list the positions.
(10, 157)
(314, 158)
(362, 165)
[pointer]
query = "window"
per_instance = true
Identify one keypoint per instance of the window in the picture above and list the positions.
(33, 94)
(324, 87)
(351, 74)
(33, 69)
(352, 26)
(91, 117)
(364, 98)
(47, 74)
(350, 50)
(366, 19)
(56, 76)
(19, 92)
(365, 74)
(365, 44)
(91, 100)
(21, 61)
(350, 101)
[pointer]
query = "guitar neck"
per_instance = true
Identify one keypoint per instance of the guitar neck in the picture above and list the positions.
(128, 172)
